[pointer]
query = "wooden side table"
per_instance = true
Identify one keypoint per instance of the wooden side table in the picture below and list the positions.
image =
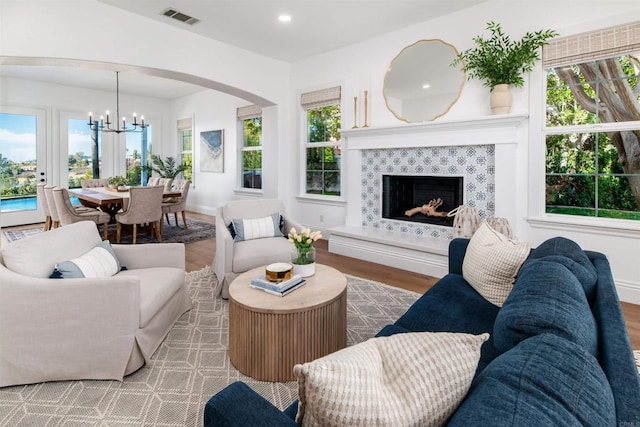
(269, 334)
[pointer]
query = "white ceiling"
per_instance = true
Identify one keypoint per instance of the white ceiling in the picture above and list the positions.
(316, 26)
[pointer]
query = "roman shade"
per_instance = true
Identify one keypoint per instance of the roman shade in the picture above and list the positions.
(320, 98)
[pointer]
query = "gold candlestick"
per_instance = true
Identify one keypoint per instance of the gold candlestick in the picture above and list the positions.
(355, 112)
(366, 108)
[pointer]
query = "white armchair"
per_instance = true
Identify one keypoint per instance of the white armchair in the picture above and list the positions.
(233, 258)
(85, 328)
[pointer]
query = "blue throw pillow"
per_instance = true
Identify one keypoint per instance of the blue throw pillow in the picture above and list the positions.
(569, 253)
(544, 381)
(547, 297)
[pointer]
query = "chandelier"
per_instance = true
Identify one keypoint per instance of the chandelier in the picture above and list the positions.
(105, 126)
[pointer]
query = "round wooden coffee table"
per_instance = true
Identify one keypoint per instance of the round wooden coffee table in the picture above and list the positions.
(269, 334)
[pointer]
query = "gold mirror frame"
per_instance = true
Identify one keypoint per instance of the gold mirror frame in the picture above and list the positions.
(420, 85)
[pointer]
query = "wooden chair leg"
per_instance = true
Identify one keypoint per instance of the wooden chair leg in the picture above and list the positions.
(175, 218)
(118, 229)
(135, 233)
(47, 223)
(156, 227)
(184, 219)
(105, 231)
(167, 217)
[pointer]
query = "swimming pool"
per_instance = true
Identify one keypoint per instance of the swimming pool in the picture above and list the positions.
(25, 204)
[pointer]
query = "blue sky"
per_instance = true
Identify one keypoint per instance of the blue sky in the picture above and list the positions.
(18, 137)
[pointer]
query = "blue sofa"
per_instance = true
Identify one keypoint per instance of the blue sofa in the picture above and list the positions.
(559, 352)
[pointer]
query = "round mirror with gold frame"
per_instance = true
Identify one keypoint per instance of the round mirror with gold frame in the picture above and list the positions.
(420, 85)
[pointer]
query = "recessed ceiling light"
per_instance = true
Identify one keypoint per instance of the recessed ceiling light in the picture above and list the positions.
(426, 86)
(284, 18)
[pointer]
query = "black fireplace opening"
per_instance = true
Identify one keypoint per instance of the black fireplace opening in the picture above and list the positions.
(408, 194)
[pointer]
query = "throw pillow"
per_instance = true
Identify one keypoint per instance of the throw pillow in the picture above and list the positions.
(543, 381)
(100, 261)
(491, 263)
(411, 378)
(256, 228)
(547, 298)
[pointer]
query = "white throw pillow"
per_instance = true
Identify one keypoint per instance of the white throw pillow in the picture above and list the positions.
(100, 261)
(257, 228)
(492, 262)
(405, 379)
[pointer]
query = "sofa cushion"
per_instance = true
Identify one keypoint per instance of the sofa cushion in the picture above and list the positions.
(491, 263)
(435, 312)
(97, 262)
(253, 253)
(414, 378)
(546, 381)
(256, 228)
(37, 255)
(157, 286)
(546, 298)
(571, 255)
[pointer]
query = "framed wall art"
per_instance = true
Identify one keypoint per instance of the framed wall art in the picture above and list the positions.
(212, 151)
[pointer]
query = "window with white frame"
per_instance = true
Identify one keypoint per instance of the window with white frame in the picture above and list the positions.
(250, 119)
(185, 140)
(323, 143)
(592, 128)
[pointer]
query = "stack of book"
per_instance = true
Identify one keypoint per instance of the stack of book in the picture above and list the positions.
(280, 289)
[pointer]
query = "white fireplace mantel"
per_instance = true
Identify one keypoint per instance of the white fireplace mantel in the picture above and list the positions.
(506, 133)
(500, 129)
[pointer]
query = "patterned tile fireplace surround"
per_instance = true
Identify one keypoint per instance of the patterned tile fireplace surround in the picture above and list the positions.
(485, 152)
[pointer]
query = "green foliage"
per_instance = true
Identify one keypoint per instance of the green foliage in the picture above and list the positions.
(166, 168)
(117, 180)
(500, 60)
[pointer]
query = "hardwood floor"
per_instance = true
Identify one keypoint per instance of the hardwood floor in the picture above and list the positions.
(201, 253)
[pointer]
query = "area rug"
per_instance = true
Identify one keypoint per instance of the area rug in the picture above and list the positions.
(188, 368)
(196, 231)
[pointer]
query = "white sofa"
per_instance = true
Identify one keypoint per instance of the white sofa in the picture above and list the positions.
(233, 258)
(85, 328)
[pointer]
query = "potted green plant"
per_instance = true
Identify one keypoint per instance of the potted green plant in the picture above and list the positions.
(118, 183)
(500, 61)
(165, 168)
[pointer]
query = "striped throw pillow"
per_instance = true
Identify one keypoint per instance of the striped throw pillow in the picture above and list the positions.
(100, 261)
(256, 228)
(416, 378)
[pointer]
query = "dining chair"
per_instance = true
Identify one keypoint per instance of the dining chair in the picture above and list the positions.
(68, 215)
(95, 182)
(145, 207)
(177, 204)
(42, 199)
(51, 203)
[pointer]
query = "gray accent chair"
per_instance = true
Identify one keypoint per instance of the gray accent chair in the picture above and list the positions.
(86, 328)
(68, 215)
(178, 204)
(233, 258)
(145, 207)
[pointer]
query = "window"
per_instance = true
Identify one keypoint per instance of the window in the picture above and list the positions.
(592, 129)
(185, 138)
(323, 144)
(250, 118)
(18, 164)
(85, 152)
(138, 155)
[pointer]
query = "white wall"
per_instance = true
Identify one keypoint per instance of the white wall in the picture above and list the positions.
(362, 67)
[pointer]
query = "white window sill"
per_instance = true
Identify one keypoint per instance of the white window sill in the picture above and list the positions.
(323, 200)
(602, 226)
(248, 191)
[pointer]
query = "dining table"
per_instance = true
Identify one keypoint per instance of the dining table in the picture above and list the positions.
(109, 200)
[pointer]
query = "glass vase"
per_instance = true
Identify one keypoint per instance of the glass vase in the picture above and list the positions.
(304, 261)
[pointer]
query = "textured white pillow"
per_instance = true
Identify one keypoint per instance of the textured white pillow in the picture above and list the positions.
(405, 379)
(100, 261)
(491, 263)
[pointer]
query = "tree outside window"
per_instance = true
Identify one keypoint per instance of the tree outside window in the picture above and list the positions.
(252, 153)
(323, 150)
(186, 153)
(592, 142)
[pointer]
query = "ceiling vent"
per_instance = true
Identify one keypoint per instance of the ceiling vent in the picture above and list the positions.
(172, 13)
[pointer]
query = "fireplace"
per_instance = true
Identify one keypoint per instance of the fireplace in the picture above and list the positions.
(401, 193)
